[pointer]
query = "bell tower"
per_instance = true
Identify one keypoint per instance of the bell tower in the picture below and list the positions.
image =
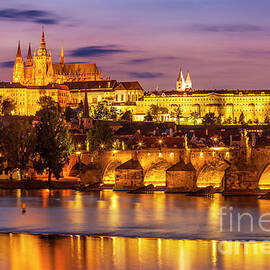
(42, 61)
(180, 84)
(18, 70)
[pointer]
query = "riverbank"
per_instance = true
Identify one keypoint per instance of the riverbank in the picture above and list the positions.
(39, 184)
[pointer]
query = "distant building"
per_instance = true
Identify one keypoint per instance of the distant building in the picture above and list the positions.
(254, 105)
(183, 84)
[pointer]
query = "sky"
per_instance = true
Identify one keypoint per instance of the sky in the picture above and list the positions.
(224, 44)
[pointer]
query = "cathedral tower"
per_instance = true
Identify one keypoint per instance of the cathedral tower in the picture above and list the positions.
(18, 70)
(180, 84)
(29, 60)
(42, 64)
(62, 57)
(188, 82)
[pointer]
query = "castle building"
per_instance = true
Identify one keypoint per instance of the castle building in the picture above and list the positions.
(65, 83)
(41, 71)
(71, 84)
(229, 105)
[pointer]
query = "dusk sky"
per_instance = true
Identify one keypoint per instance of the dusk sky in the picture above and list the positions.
(225, 44)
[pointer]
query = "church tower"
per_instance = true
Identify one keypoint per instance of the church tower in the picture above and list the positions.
(180, 84)
(29, 60)
(62, 57)
(188, 82)
(42, 63)
(18, 70)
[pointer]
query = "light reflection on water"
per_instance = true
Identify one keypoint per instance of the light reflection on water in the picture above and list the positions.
(36, 252)
(110, 213)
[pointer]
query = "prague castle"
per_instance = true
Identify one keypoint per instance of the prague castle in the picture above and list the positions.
(65, 83)
(229, 105)
(41, 71)
(68, 83)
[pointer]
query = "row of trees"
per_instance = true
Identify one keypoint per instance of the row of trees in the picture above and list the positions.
(100, 112)
(45, 146)
(212, 119)
(7, 105)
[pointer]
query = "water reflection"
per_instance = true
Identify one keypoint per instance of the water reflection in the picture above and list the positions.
(23, 252)
(121, 214)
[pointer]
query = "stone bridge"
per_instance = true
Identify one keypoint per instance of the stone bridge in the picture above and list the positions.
(232, 168)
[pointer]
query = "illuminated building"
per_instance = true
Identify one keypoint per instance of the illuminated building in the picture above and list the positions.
(41, 71)
(182, 84)
(65, 83)
(228, 104)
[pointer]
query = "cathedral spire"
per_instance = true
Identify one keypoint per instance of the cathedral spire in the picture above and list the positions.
(188, 81)
(62, 57)
(19, 53)
(180, 84)
(180, 76)
(42, 50)
(29, 60)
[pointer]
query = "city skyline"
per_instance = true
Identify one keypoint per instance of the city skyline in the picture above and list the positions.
(149, 41)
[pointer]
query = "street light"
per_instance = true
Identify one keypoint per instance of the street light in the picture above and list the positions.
(160, 143)
(78, 153)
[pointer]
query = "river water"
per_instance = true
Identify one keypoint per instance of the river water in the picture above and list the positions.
(114, 230)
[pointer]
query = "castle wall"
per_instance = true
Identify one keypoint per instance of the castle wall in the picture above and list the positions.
(255, 105)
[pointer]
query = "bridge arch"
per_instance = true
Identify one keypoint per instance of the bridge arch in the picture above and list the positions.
(156, 173)
(264, 177)
(212, 174)
(109, 172)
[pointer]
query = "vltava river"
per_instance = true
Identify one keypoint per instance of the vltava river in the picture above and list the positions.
(35, 252)
(114, 230)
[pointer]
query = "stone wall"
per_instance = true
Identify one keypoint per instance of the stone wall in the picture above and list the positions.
(245, 167)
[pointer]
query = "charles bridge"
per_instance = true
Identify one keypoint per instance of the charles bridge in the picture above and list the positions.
(240, 168)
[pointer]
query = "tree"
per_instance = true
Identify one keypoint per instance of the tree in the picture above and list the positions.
(176, 113)
(154, 110)
(100, 112)
(127, 116)
(148, 117)
(69, 113)
(47, 103)
(113, 113)
(100, 134)
(17, 143)
(194, 117)
(209, 119)
(219, 119)
(242, 119)
(7, 106)
(266, 119)
(54, 144)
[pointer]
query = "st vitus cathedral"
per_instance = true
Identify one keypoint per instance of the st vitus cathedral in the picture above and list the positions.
(65, 83)
(40, 70)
